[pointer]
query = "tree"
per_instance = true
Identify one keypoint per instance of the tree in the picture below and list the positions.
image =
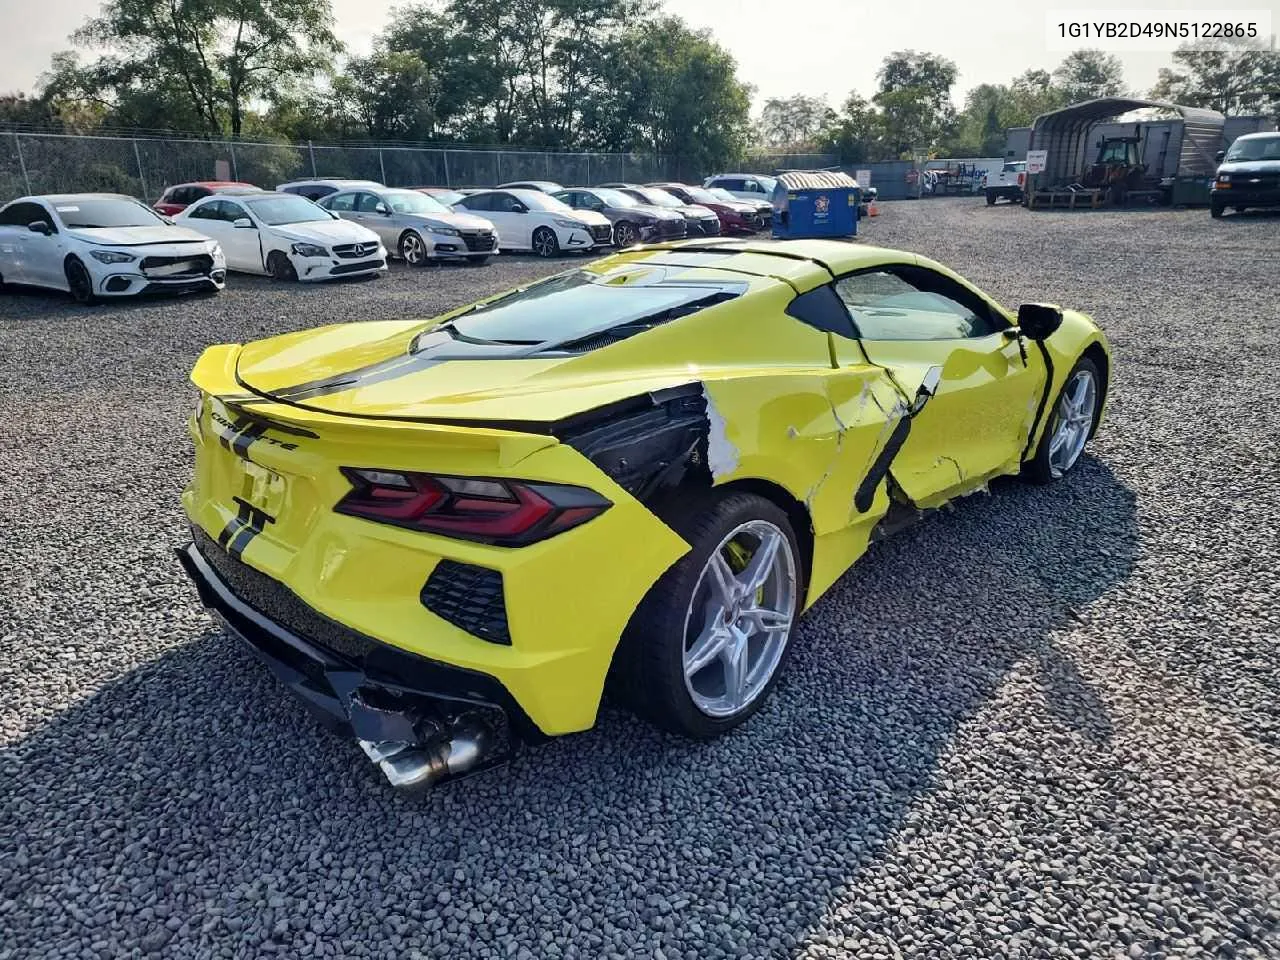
(206, 60)
(1088, 75)
(795, 122)
(391, 94)
(857, 132)
(915, 100)
(673, 91)
(1243, 79)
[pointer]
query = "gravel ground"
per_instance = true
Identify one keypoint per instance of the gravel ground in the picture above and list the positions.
(1045, 722)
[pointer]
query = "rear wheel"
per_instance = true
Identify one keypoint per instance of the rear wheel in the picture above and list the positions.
(79, 281)
(280, 267)
(710, 639)
(413, 250)
(624, 234)
(545, 242)
(991, 198)
(1075, 412)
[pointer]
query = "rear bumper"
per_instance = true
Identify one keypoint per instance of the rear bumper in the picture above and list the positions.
(337, 687)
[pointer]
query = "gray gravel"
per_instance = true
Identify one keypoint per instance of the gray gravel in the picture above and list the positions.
(1042, 723)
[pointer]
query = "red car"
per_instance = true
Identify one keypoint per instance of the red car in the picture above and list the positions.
(736, 216)
(181, 195)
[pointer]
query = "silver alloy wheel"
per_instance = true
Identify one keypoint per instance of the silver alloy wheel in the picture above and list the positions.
(624, 234)
(1075, 414)
(739, 619)
(413, 249)
(545, 243)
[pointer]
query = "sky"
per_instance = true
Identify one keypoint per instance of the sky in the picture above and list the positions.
(831, 48)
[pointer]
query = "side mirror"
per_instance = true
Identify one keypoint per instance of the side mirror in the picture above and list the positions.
(1220, 156)
(40, 227)
(1039, 321)
(244, 223)
(519, 208)
(382, 209)
(927, 389)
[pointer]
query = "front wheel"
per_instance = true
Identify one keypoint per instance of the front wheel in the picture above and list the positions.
(1070, 425)
(710, 639)
(79, 282)
(413, 250)
(1215, 209)
(281, 267)
(545, 242)
(624, 235)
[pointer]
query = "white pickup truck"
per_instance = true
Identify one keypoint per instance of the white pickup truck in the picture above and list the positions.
(1008, 183)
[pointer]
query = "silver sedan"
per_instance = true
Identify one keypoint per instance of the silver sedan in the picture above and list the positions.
(414, 226)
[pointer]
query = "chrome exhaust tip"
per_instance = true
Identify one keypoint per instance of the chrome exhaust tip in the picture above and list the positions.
(410, 766)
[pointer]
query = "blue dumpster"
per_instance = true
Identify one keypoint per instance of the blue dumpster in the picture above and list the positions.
(816, 203)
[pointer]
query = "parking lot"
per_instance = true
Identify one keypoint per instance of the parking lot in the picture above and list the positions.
(1043, 722)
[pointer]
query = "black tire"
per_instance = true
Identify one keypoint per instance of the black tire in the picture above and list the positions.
(413, 249)
(624, 234)
(1215, 209)
(991, 198)
(1038, 469)
(79, 281)
(281, 268)
(647, 673)
(545, 243)
(1239, 209)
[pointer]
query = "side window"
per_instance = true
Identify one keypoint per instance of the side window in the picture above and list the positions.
(21, 214)
(291, 189)
(231, 212)
(902, 302)
(505, 203)
(197, 193)
(822, 309)
(207, 211)
(571, 197)
(340, 202)
(729, 184)
(367, 203)
(476, 201)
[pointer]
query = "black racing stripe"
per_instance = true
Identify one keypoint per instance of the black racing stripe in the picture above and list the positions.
(866, 492)
(252, 521)
(244, 439)
(228, 434)
(383, 370)
(242, 517)
(1044, 397)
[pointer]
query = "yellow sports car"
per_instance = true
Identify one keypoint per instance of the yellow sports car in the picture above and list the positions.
(448, 536)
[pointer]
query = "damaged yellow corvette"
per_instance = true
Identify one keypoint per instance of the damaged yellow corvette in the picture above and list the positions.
(450, 536)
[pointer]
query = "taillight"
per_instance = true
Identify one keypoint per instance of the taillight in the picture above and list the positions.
(504, 512)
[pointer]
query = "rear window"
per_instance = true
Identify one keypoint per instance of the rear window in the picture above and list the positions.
(572, 307)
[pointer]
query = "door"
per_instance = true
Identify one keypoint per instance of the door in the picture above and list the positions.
(910, 319)
(513, 228)
(43, 257)
(343, 204)
(375, 215)
(243, 244)
(14, 251)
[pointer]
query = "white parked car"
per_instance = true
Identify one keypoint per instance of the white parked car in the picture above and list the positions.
(415, 226)
(532, 220)
(318, 189)
(103, 245)
(744, 186)
(286, 236)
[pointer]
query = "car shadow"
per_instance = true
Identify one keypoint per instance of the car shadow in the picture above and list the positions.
(199, 757)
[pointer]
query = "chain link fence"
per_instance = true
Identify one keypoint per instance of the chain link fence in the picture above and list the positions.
(38, 163)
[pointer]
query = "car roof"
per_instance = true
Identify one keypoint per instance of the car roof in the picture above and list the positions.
(73, 197)
(1259, 135)
(333, 181)
(518, 184)
(213, 183)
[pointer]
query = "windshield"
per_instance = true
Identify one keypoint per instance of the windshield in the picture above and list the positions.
(408, 201)
(88, 213)
(277, 211)
(659, 198)
(720, 193)
(616, 198)
(447, 197)
(577, 304)
(1262, 148)
(542, 201)
(699, 195)
(238, 191)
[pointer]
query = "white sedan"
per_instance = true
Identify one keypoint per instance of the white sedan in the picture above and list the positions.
(286, 236)
(103, 245)
(530, 220)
